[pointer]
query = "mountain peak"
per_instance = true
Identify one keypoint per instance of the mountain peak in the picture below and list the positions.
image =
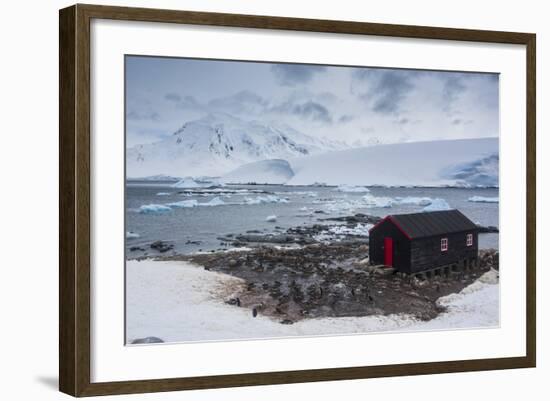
(219, 142)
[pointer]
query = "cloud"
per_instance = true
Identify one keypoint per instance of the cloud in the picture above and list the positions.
(183, 102)
(140, 116)
(243, 102)
(309, 110)
(346, 118)
(172, 97)
(295, 74)
(453, 87)
(386, 89)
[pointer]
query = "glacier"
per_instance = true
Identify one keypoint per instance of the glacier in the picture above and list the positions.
(271, 171)
(462, 162)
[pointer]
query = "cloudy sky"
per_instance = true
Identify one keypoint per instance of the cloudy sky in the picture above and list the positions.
(361, 106)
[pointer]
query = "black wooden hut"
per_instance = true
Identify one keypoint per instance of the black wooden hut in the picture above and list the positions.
(418, 242)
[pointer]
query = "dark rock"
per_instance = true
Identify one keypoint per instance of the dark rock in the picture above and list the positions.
(287, 321)
(487, 229)
(162, 246)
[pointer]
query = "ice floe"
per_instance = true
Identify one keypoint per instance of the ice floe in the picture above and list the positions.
(264, 199)
(154, 209)
(483, 199)
(352, 189)
(437, 204)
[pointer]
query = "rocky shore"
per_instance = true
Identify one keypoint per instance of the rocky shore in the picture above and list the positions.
(330, 280)
(322, 270)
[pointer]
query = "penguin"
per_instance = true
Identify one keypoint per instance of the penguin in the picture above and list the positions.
(254, 312)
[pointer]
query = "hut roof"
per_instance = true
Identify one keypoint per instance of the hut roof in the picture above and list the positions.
(427, 224)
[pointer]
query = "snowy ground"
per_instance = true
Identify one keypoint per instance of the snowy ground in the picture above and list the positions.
(179, 301)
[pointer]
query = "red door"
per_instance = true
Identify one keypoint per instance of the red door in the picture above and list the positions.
(388, 251)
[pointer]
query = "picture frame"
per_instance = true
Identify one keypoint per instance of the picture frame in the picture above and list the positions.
(76, 200)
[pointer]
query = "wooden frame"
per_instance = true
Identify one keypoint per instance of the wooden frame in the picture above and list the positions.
(74, 199)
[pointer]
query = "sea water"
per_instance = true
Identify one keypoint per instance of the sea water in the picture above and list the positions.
(195, 220)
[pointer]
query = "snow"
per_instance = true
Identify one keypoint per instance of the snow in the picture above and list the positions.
(153, 209)
(179, 301)
(273, 171)
(483, 199)
(336, 233)
(352, 188)
(464, 163)
(437, 204)
(131, 235)
(219, 143)
(271, 218)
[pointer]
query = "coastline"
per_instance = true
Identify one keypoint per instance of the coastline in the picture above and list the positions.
(179, 301)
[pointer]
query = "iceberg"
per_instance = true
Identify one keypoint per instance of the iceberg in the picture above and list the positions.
(184, 203)
(264, 199)
(413, 200)
(153, 209)
(483, 199)
(378, 201)
(271, 218)
(352, 188)
(187, 182)
(131, 235)
(217, 201)
(437, 204)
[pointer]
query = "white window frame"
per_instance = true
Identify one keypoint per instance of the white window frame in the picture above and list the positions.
(469, 239)
(444, 244)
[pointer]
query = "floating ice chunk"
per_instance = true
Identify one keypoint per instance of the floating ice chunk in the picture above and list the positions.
(187, 182)
(153, 209)
(352, 188)
(131, 235)
(271, 218)
(378, 201)
(414, 200)
(217, 201)
(184, 203)
(264, 199)
(437, 204)
(163, 193)
(483, 199)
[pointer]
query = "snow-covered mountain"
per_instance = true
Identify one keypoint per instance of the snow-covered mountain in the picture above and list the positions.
(219, 143)
(462, 163)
